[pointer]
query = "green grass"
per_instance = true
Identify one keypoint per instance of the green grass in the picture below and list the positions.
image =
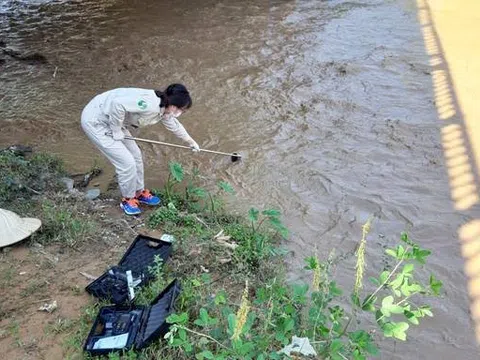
(22, 178)
(63, 222)
(29, 186)
(34, 287)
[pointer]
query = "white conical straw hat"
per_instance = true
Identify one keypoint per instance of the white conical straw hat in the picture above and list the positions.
(13, 228)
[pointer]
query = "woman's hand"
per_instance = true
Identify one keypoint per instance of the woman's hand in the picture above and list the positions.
(193, 144)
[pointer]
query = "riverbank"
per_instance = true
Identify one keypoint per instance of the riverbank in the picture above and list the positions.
(235, 301)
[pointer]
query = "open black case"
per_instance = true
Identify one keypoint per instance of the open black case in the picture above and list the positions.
(123, 328)
(118, 283)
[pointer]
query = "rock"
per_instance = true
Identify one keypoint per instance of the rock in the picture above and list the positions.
(68, 183)
(49, 307)
(82, 180)
(92, 194)
(19, 150)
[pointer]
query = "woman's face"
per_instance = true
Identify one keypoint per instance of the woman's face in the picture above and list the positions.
(174, 111)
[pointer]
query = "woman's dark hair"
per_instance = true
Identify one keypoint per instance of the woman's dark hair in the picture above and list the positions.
(175, 94)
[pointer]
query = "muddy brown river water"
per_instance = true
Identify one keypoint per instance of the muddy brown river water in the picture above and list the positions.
(330, 102)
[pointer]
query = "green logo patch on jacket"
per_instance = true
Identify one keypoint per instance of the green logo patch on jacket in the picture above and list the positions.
(142, 104)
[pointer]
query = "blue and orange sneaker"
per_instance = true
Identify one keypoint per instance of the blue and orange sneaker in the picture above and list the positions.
(130, 206)
(146, 197)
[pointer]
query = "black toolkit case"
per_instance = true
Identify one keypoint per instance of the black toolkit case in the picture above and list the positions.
(113, 285)
(123, 328)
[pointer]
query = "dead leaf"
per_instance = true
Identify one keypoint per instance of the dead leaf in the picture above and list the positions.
(228, 245)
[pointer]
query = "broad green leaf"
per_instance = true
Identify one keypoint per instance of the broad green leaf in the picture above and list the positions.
(398, 281)
(388, 307)
(405, 288)
(275, 356)
(299, 292)
(198, 191)
(334, 290)
(177, 342)
(415, 288)
(280, 336)
(205, 320)
(391, 252)
(205, 354)
(253, 214)
(426, 310)
(182, 334)
(188, 347)
(408, 268)
(371, 349)
(176, 170)
(275, 222)
(271, 213)
(178, 319)
(369, 303)
(396, 330)
(225, 186)
(435, 285)
(232, 320)
(204, 315)
(411, 317)
(336, 345)
(246, 348)
(220, 298)
(289, 324)
(420, 255)
(249, 323)
(357, 355)
(384, 276)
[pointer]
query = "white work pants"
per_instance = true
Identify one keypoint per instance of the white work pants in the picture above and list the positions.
(125, 155)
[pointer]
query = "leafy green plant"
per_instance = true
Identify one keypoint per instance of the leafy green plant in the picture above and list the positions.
(175, 176)
(163, 215)
(272, 216)
(236, 303)
(203, 194)
(265, 322)
(397, 288)
(257, 242)
(147, 294)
